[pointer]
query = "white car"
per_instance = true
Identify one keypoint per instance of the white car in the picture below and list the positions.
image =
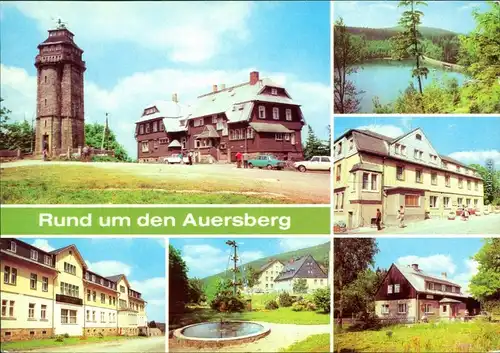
(315, 163)
(175, 159)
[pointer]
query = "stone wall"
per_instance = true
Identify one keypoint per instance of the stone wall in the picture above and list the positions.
(23, 334)
(96, 331)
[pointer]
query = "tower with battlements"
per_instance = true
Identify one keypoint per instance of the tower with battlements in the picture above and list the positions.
(60, 102)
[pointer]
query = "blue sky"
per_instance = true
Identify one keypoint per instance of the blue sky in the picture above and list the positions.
(205, 257)
(450, 15)
(433, 255)
(181, 47)
(469, 140)
(142, 260)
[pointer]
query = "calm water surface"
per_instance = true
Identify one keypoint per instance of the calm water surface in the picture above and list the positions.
(222, 330)
(387, 79)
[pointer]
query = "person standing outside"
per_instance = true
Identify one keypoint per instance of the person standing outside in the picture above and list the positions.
(401, 217)
(239, 157)
(245, 160)
(190, 157)
(378, 219)
(45, 150)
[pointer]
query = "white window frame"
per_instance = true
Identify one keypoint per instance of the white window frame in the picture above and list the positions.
(274, 91)
(13, 246)
(389, 289)
(288, 114)
(47, 260)
(436, 204)
(45, 284)
(145, 146)
(287, 137)
(276, 113)
(278, 136)
(31, 310)
(397, 288)
(43, 312)
(155, 126)
(405, 306)
(214, 119)
(262, 112)
(292, 138)
(384, 309)
(34, 255)
(445, 203)
(428, 308)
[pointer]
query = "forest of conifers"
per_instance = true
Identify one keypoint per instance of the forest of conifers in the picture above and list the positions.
(437, 43)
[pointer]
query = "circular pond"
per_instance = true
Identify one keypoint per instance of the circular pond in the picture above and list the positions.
(221, 333)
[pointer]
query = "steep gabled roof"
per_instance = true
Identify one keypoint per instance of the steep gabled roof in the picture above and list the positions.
(117, 278)
(75, 249)
(418, 278)
(267, 265)
(292, 269)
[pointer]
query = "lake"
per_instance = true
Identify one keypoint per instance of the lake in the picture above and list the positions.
(388, 78)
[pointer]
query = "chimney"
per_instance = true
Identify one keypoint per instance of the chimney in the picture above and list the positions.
(415, 266)
(174, 97)
(254, 77)
(214, 88)
(222, 86)
(444, 274)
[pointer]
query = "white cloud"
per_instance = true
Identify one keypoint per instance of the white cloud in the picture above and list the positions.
(128, 97)
(432, 264)
(477, 157)
(42, 244)
(249, 256)
(153, 291)
(463, 278)
(289, 244)
(185, 31)
(109, 268)
(204, 260)
(387, 130)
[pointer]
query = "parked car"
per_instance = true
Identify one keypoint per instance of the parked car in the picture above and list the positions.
(315, 163)
(266, 161)
(175, 159)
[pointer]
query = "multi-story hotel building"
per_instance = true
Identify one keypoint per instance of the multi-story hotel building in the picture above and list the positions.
(54, 293)
(373, 172)
(257, 117)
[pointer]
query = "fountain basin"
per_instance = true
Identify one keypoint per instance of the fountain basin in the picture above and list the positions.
(217, 334)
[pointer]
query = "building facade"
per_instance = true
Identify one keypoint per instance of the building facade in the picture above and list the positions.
(54, 293)
(267, 275)
(372, 171)
(60, 100)
(409, 294)
(255, 117)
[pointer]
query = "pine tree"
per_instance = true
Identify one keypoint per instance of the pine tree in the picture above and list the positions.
(489, 181)
(408, 41)
(313, 145)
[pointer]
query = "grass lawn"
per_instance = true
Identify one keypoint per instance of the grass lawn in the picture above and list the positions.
(314, 343)
(441, 337)
(92, 185)
(258, 313)
(51, 342)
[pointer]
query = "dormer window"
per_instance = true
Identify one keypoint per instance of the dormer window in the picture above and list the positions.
(13, 246)
(93, 278)
(443, 288)
(155, 126)
(34, 255)
(214, 119)
(418, 137)
(47, 260)
(274, 91)
(86, 275)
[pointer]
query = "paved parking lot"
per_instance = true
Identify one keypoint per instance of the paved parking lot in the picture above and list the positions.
(313, 187)
(489, 224)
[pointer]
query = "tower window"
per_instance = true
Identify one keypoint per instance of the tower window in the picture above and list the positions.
(45, 78)
(45, 101)
(45, 123)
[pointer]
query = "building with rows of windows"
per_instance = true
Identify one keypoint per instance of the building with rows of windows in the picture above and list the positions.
(54, 293)
(372, 171)
(256, 117)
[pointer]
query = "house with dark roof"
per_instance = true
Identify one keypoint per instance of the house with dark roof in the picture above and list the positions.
(300, 268)
(373, 171)
(255, 117)
(409, 294)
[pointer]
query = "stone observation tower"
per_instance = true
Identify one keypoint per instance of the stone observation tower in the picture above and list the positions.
(60, 109)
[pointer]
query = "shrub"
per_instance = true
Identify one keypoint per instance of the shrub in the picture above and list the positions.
(104, 159)
(272, 305)
(321, 298)
(285, 300)
(59, 339)
(298, 306)
(226, 301)
(100, 335)
(66, 335)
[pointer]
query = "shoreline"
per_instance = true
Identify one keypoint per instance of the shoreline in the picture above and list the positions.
(428, 61)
